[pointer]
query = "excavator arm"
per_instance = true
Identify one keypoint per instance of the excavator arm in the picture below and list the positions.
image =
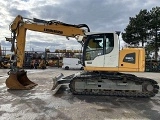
(17, 76)
(20, 25)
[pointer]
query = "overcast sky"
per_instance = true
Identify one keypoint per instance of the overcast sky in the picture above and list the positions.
(99, 15)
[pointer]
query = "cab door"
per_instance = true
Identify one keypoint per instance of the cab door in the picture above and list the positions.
(111, 50)
(94, 50)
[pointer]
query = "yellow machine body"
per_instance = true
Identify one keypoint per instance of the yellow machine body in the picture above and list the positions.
(133, 63)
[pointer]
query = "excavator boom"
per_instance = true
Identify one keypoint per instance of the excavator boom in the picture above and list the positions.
(17, 76)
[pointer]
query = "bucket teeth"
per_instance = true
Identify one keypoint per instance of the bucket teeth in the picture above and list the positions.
(19, 80)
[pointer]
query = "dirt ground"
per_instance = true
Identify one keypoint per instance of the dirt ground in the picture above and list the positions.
(39, 103)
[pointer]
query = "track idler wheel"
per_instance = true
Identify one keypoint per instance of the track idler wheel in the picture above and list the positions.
(19, 80)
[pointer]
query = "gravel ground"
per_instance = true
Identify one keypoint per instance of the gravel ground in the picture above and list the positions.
(39, 103)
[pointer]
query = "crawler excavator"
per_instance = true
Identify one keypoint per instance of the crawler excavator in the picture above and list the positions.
(104, 63)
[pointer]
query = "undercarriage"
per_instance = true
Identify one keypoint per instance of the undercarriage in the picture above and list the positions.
(107, 83)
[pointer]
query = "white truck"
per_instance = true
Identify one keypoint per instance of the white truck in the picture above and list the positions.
(72, 63)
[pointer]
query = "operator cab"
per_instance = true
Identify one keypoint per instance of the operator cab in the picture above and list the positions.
(98, 44)
(99, 48)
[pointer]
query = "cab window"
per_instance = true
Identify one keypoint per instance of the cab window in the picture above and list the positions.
(99, 44)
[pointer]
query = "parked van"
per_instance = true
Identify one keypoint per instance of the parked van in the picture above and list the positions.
(72, 63)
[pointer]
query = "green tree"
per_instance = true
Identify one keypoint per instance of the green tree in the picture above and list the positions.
(154, 28)
(149, 48)
(143, 27)
(137, 29)
(129, 35)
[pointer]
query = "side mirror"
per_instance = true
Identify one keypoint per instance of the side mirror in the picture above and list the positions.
(79, 38)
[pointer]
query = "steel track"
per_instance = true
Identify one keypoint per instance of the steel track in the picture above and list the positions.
(115, 76)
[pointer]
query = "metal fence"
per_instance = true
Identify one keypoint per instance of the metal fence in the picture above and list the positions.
(152, 66)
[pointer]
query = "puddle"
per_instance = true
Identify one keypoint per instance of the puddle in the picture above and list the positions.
(7, 108)
(105, 110)
(2, 85)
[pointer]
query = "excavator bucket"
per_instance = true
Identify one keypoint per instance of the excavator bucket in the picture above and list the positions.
(19, 81)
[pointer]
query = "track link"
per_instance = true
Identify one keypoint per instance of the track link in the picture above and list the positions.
(149, 86)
